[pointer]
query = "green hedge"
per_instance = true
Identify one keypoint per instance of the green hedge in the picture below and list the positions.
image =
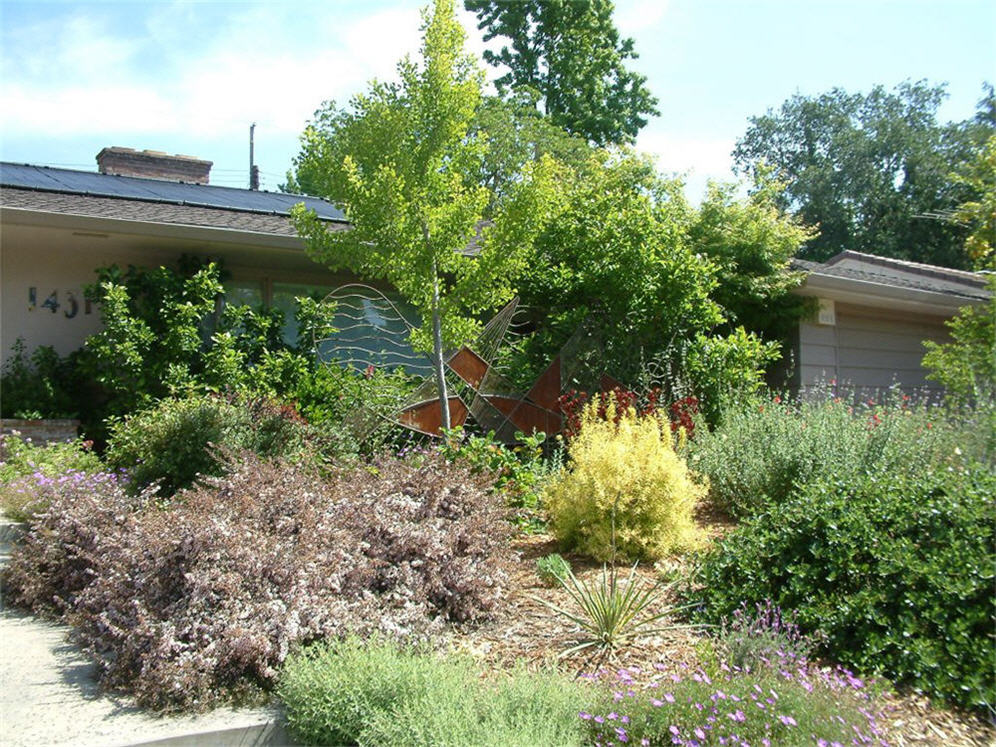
(896, 571)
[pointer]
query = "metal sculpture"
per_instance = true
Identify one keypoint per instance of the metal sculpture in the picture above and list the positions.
(366, 319)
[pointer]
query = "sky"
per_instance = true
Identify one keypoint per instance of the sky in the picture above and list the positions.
(189, 76)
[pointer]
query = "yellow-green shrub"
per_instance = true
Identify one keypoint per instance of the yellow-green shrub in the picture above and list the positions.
(625, 474)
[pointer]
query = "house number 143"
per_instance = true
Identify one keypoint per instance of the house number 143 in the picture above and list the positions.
(72, 306)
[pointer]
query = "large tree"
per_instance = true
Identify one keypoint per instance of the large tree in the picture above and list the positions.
(401, 163)
(570, 53)
(868, 169)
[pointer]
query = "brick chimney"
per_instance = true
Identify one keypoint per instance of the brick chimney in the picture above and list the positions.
(153, 164)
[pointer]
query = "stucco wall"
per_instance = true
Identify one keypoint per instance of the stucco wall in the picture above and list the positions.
(868, 349)
(62, 261)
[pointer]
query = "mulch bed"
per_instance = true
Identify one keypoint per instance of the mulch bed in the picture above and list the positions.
(529, 633)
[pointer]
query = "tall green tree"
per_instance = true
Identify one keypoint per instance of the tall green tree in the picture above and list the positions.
(866, 169)
(400, 162)
(571, 54)
(751, 243)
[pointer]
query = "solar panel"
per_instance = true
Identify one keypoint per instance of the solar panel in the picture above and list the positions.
(29, 176)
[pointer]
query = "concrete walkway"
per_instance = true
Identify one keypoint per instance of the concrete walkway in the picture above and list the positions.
(48, 695)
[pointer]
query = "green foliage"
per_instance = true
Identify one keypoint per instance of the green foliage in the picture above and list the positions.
(624, 490)
(723, 369)
(611, 613)
(616, 258)
(552, 569)
(165, 333)
(520, 471)
(765, 449)
(37, 386)
(966, 366)
(868, 170)
(350, 692)
(570, 53)
(895, 570)
(649, 277)
(175, 441)
(399, 162)
(751, 243)
(517, 134)
(979, 213)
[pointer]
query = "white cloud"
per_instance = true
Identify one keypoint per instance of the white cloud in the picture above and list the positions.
(252, 68)
(636, 16)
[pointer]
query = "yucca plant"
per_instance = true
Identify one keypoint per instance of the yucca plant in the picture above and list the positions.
(612, 613)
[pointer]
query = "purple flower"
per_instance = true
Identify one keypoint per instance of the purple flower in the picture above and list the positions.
(788, 720)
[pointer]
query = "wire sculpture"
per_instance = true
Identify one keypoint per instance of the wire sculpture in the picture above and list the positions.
(372, 333)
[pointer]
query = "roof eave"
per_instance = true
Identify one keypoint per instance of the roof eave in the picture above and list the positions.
(180, 231)
(883, 295)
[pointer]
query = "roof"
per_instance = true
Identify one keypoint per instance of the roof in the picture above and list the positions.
(869, 268)
(155, 200)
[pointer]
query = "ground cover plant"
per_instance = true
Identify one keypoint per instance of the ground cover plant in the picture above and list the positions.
(351, 692)
(786, 702)
(201, 598)
(624, 491)
(30, 474)
(894, 570)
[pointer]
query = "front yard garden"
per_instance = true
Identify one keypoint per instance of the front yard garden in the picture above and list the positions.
(808, 573)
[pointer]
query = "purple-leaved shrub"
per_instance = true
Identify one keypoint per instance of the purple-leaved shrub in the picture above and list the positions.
(203, 598)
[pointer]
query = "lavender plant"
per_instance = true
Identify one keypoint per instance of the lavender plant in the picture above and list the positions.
(752, 638)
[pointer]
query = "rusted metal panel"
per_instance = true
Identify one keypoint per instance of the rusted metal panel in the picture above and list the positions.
(607, 383)
(526, 416)
(427, 417)
(469, 366)
(546, 390)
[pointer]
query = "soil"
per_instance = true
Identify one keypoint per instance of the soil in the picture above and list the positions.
(529, 633)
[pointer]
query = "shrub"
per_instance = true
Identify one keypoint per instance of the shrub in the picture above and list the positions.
(67, 539)
(552, 569)
(37, 386)
(624, 489)
(201, 598)
(176, 440)
(349, 692)
(766, 449)
(519, 471)
(788, 704)
(895, 571)
(29, 474)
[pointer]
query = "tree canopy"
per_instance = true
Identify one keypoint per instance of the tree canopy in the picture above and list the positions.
(401, 162)
(570, 53)
(869, 169)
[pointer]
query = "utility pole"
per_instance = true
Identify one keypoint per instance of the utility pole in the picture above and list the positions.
(253, 168)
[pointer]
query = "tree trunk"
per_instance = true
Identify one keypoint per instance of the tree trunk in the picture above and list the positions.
(437, 353)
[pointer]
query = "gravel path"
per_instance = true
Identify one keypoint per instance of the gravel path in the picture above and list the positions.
(48, 695)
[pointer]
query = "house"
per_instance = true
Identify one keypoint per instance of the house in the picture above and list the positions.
(147, 208)
(144, 208)
(873, 315)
